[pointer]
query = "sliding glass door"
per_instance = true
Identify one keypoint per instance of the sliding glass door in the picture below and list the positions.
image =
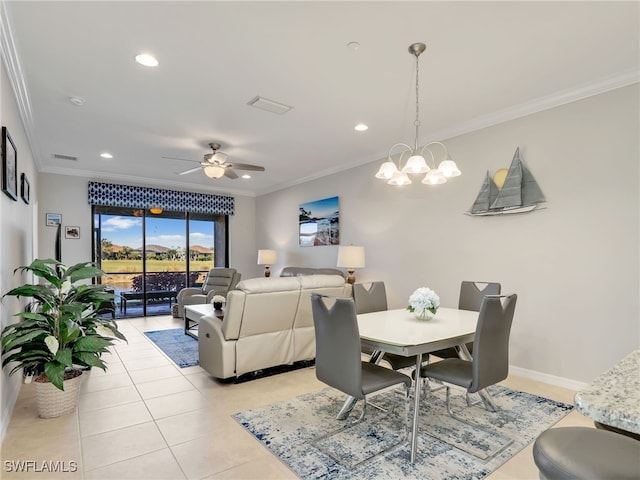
(150, 257)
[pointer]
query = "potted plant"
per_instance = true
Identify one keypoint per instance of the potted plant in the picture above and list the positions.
(61, 334)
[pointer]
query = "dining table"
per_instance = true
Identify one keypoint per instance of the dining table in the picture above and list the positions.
(398, 331)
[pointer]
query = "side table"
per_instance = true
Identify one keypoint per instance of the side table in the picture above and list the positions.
(193, 314)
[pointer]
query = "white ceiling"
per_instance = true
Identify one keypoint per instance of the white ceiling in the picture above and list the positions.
(485, 62)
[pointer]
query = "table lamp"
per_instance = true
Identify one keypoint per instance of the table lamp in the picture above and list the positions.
(267, 258)
(351, 257)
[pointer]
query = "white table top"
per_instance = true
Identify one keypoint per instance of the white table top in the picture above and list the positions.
(613, 398)
(398, 331)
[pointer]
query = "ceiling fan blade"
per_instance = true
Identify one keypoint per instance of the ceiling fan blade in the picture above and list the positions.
(191, 170)
(245, 166)
(230, 173)
(182, 159)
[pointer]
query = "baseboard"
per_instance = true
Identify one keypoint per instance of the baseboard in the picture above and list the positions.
(6, 415)
(547, 378)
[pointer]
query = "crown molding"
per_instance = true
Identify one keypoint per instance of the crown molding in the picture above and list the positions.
(134, 180)
(16, 78)
(579, 92)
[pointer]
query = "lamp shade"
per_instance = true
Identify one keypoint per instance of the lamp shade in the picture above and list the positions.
(267, 257)
(351, 256)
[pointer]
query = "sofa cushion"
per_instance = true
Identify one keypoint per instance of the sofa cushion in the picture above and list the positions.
(303, 271)
(267, 285)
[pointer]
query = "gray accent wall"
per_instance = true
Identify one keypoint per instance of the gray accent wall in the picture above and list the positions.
(574, 265)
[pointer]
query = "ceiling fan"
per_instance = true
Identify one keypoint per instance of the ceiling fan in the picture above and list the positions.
(215, 164)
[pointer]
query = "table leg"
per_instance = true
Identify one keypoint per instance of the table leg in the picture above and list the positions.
(350, 402)
(463, 352)
(416, 408)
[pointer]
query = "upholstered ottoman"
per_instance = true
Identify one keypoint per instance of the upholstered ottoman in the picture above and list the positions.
(580, 453)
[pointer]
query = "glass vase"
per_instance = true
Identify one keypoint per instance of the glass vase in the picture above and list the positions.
(423, 314)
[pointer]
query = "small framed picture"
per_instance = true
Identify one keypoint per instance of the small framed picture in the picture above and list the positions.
(71, 232)
(9, 166)
(24, 190)
(53, 219)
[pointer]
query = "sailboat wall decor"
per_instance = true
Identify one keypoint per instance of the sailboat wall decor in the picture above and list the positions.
(520, 192)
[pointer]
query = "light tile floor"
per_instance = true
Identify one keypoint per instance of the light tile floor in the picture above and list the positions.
(145, 418)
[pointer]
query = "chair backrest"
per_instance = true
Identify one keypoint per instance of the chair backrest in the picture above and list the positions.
(472, 294)
(373, 299)
(491, 342)
(338, 362)
(220, 279)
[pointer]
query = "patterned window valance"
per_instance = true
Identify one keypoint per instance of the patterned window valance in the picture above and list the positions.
(114, 195)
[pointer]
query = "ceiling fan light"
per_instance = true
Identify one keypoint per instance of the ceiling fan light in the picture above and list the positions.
(387, 170)
(400, 179)
(416, 164)
(449, 168)
(434, 177)
(214, 171)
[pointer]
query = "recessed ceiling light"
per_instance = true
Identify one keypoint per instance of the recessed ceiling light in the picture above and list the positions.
(106, 155)
(147, 60)
(77, 101)
(361, 127)
(246, 175)
(353, 45)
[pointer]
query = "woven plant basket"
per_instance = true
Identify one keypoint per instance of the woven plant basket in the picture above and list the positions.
(53, 402)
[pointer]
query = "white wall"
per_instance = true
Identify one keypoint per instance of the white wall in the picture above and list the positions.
(17, 235)
(574, 265)
(67, 195)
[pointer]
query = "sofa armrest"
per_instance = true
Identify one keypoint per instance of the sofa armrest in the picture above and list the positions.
(216, 355)
(187, 292)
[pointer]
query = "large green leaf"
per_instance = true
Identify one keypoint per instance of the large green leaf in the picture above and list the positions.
(89, 359)
(92, 343)
(64, 356)
(23, 339)
(55, 373)
(82, 271)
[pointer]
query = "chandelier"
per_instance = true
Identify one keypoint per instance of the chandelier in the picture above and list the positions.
(416, 164)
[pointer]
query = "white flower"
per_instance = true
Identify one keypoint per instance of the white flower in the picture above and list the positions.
(218, 299)
(424, 299)
(52, 343)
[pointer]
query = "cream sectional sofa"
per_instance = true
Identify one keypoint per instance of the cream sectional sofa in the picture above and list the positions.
(267, 322)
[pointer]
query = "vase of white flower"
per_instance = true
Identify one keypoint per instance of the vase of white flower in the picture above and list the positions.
(424, 303)
(217, 301)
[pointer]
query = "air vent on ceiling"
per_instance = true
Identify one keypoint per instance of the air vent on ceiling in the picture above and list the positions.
(269, 105)
(59, 156)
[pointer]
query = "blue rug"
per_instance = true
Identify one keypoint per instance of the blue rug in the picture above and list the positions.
(447, 448)
(180, 348)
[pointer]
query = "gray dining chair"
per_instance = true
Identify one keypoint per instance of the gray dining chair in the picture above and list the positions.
(338, 360)
(470, 298)
(490, 358)
(374, 299)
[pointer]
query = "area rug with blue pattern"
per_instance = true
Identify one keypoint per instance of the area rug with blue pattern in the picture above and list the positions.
(180, 348)
(305, 435)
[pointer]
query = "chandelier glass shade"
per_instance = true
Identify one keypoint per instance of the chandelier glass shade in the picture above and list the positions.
(416, 163)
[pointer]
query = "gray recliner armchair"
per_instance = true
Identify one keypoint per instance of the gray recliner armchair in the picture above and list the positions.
(217, 282)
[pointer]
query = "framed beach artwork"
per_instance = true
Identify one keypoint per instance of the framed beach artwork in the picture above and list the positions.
(9, 166)
(53, 219)
(319, 223)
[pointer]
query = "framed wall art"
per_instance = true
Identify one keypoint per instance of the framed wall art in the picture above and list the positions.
(53, 219)
(319, 223)
(9, 166)
(71, 232)
(25, 188)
